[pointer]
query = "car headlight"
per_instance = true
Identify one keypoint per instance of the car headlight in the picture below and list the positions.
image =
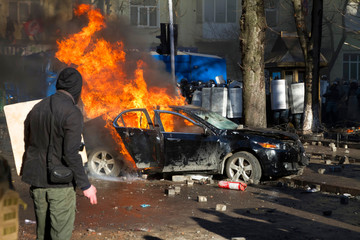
(269, 145)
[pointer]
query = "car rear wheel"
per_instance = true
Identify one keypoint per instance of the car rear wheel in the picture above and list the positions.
(102, 161)
(243, 166)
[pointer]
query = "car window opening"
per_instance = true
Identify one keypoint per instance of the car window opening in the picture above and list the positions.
(176, 123)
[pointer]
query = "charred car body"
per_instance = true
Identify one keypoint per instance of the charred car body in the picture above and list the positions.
(192, 139)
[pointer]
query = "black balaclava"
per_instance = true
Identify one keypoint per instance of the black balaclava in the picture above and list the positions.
(70, 80)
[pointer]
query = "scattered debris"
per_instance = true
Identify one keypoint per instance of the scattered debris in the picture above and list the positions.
(233, 185)
(199, 177)
(321, 170)
(344, 160)
(179, 178)
(28, 221)
(190, 183)
(90, 230)
(177, 189)
(202, 199)
(332, 147)
(220, 207)
(313, 189)
(318, 187)
(170, 192)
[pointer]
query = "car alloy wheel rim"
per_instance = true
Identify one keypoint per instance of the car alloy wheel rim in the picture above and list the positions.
(241, 168)
(103, 163)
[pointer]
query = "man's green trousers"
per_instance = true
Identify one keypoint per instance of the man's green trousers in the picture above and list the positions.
(55, 212)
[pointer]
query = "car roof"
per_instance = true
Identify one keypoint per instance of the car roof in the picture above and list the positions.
(187, 108)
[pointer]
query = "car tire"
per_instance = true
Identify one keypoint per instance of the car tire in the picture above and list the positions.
(245, 167)
(105, 162)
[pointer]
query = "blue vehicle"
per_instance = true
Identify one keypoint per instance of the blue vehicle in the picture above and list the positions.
(195, 67)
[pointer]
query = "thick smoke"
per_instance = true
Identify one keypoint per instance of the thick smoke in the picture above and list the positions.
(136, 47)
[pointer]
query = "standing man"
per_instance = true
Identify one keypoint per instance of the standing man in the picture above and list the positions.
(55, 203)
(332, 97)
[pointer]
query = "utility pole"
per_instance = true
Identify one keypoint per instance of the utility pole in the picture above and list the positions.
(172, 48)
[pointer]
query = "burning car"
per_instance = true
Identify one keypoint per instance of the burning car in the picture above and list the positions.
(192, 139)
(178, 139)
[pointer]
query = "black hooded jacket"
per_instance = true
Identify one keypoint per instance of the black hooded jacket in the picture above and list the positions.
(68, 125)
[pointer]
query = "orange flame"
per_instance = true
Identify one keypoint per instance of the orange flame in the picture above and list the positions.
(108, 89)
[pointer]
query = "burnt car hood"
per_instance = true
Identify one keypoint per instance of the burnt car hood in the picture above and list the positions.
(266, 132)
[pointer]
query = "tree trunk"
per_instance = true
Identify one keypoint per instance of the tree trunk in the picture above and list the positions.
(307, 48)
(311, 49)
(316, 34)
(252, 38)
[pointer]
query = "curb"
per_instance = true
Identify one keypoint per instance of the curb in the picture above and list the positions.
(324, 187)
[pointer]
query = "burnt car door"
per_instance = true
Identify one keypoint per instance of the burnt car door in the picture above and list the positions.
(187, 145)
(139, 136)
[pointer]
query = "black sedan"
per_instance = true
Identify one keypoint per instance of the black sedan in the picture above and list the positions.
(192, 139)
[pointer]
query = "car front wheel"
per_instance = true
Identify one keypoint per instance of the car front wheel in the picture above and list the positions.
(102, 161)
(243, 166)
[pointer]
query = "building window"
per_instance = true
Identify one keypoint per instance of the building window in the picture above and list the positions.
(220, 11)
(271, 17)
(22, 10)
(144, 13)
(351, 67)
(271, 13)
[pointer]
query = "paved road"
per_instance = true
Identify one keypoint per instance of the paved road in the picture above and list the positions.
(259, 212)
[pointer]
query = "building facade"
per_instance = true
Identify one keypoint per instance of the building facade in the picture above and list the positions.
(205, 26)
(340, 38)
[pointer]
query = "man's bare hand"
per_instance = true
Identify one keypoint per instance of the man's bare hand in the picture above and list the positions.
(90, 193)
